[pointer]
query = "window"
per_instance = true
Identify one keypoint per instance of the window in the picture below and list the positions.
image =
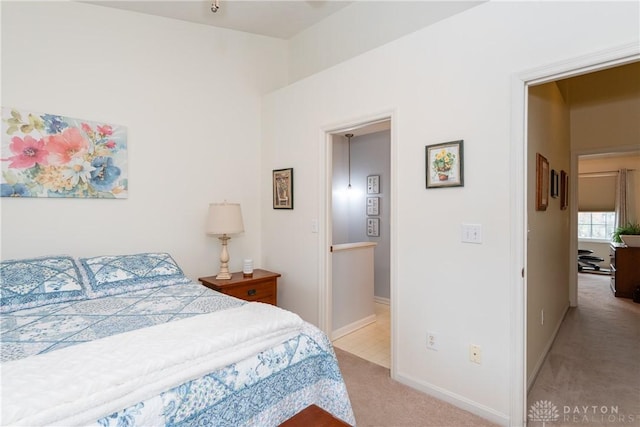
(596, 225)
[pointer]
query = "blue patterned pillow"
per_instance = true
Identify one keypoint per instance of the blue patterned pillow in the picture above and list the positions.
(28, 283)
(111, 275)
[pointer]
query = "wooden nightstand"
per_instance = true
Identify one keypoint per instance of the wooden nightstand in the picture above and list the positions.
(262, 287)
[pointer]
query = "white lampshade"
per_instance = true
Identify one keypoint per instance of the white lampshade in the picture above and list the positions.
(224, 218)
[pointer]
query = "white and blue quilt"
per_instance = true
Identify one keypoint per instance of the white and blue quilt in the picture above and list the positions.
(39, 330)
(178, 355)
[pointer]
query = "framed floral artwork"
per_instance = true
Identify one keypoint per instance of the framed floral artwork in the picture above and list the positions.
(47, 155)
(542, 182)
(444, 165)
(283, 188)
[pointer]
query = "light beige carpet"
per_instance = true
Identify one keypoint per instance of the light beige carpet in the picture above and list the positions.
(592, 372)
(378, 400)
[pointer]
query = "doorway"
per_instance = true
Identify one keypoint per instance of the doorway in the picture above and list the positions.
(522, 209)
(359, 234)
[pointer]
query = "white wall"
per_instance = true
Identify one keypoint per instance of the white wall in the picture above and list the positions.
(446, 82)
(362, 26)
(353, 287)
(548, 256)
(190, 96)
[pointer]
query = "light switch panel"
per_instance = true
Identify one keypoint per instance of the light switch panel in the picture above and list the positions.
(471, 233)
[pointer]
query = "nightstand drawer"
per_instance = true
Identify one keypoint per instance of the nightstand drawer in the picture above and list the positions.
(253, 291)
(262, 286)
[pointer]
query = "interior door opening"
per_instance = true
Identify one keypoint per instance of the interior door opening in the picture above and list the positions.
(586, 68)
(359, 235)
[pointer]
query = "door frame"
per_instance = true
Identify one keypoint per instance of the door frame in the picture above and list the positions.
(520, 83)
(325, 285)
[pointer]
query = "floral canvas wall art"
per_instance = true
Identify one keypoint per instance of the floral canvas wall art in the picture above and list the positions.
(46, 155)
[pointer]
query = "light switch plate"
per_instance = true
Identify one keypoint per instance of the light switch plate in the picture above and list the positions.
(472, 233)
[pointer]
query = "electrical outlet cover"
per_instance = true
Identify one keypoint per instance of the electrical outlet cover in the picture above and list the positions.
(475, 354)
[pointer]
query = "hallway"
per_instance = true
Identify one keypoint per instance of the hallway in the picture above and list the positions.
(592, 372)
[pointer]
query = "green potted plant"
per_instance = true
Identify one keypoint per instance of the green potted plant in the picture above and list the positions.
(628, 234)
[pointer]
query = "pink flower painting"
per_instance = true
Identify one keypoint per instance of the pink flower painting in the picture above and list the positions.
(27, 152)
(67, 145)
(46, 155)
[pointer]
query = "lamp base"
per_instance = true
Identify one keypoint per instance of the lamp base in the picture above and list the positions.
(224, 259)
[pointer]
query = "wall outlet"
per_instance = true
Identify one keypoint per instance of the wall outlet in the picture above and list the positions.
(432, 341)
(475, 354)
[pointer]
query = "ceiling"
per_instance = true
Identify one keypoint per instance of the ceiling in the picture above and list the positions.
(280, 19)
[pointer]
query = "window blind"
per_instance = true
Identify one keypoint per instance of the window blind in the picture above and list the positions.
(597, 193)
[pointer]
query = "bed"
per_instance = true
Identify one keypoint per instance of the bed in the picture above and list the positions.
(130, 341)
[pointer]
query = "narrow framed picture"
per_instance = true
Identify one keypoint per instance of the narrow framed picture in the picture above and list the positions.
(542, 182)
(373, 205)
(444, 164)
(373, 184)
(283, 188)
(373, 227)
(564, 190)
(554, 183)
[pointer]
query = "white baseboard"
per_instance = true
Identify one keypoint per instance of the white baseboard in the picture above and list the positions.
(547, 348)
(352, 327)
(381, 300)
(456, 400)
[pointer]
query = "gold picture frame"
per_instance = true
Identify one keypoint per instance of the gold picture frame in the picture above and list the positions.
(542, 182)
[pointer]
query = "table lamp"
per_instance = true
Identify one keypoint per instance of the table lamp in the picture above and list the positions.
(224, 219)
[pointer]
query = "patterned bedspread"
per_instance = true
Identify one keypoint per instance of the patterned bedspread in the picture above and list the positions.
(263, 389)
(39, 330)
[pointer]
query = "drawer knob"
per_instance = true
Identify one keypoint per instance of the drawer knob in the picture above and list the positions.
(251, 292)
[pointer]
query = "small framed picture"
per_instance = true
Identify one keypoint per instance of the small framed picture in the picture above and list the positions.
(373, 205)
(373, 227)
(554, 183)
(373, 184)
(542, 182)
(444, 165)
(283, 188)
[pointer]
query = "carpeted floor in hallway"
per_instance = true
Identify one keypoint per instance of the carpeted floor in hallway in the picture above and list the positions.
(592, 372)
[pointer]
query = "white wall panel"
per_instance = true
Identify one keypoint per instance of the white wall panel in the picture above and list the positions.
(190, 97)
